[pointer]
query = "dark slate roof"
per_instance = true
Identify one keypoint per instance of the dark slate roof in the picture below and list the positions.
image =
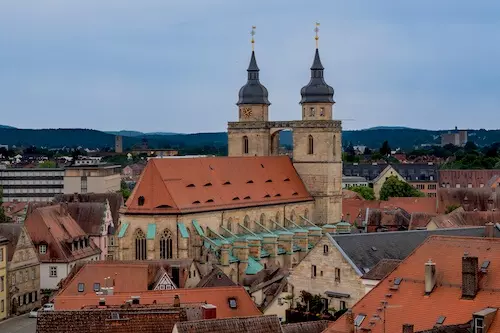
(367, 249)
(317, 90)
(115, 201)
(88, 215)
(410, 172)
(10, 232)
(380, 270)
(216, 278)
(306, 327)
(253, 92)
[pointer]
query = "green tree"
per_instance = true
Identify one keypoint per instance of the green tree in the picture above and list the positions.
(366, 192)
(394, 187)
(125, 190)
(385, 150)
(3, 217)
(451, 208)
(47, 164)
(367, 151)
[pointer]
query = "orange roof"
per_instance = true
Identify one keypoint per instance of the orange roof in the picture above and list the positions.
(53, 226)
(218, 296)
(171, 186)
(409, 305)
(412, 205)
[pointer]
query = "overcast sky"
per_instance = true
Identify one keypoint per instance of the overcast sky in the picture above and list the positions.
(165, 65)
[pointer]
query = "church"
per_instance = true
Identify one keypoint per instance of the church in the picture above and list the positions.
(253, 208)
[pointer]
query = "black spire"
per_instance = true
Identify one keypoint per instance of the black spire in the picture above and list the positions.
(253, 92)
(317, 90)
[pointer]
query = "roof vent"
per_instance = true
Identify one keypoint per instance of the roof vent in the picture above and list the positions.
(277, 195)
(286, 179)
(163, 206)
(236, 198)
(196, 202)
(208, 184)
(267, 196)
(227, 183)
(374, 248)
(440, 320)
(210, 200)
(295, 193)
(262, 165)
(191, 185)
(250, 182)
(247, 198)
(269, 181)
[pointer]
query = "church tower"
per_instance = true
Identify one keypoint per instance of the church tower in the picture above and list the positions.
(317, 154)
(252, 138)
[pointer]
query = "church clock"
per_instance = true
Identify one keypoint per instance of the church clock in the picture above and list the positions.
(247, 112)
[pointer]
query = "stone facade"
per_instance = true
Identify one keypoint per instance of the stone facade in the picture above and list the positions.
(324, 270)
(380, 180)
(3, 278)
(24, 276)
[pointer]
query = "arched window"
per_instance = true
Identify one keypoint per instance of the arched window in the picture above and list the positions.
(246, 222)
(306, 213)
(245, 144)
(166, 245)
(310, 147)
(334, 146)
(140, 245)
(262, 219)
(325, 249)
(230, 224)
(140, 201)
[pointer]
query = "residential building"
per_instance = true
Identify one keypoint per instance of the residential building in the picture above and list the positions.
(353, 181)
(371, 278)
(3, 277)
(15, 210)
(471, 199)
(445, 281)
(60, 243)
(31, 184)
(335, 267)
(92, 178)
(261, 324)
(468, 178)
(379, 181)
(23, 277)
(133, 171)
(457, 138)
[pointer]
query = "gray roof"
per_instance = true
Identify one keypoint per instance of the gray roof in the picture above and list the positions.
(253, 92)
(317, 90)
(409, 171)
(364, 251)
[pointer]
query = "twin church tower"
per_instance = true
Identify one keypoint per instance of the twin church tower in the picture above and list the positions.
(317, 153)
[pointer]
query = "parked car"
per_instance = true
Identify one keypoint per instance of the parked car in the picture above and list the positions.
(48, 307)
(34, 312)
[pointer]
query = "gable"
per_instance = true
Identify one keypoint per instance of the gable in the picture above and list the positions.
(165, 283)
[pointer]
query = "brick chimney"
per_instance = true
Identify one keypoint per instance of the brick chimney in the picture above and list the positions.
(349, 317)
(470, 277)
(430, 276)
(407, 328)
(209, 311)
(489, 230)
(177, 301)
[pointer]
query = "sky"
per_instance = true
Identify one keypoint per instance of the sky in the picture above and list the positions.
(177, 66)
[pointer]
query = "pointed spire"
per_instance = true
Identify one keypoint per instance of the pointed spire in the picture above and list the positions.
(252, 67)
(317, 62)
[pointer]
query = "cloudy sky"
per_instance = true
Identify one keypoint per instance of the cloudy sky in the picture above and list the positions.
(164, 65)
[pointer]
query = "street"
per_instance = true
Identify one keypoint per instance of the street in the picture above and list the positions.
(21, 324)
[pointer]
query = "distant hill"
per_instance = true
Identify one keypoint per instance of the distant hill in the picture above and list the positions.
(387, 128)
(136, 133)
(405, 138)
(6, 126)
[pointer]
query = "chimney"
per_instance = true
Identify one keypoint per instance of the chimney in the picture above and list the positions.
(470, 277)
(349, 317)
(430, 276)
(489, 230)
(209, 311)
(177, 301)
(407, 328)
(136, 299)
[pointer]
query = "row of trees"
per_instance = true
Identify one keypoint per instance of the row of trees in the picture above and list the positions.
(393, 187)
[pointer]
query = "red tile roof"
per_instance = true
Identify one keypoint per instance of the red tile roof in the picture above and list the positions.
(53, 226)
(408, 304)
(218, 296)
(465, 177)
(172, 186)
(412, 205)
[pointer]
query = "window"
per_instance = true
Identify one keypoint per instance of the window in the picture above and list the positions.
(25, 275)
(53, 271)
(230, 224)
(97, 286)
(2, 283)
(322, 112)
(140, 201)
(84, 184)
(2, 306)
(325, 249)
(481, 185)
(478, 325)
(359, 319)
(469, 185)
(310, 148)
(457, 185)
(245, 144)
(337, 274)
(312, 112)
(324, 302)
(1, 254)
(431, 186)
(140, 245)
(342, 305)
(313, 271)
(111, 241)
(166, 245)
(262, 219)
(42, 249)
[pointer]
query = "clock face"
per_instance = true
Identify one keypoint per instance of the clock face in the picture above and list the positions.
(247, 112)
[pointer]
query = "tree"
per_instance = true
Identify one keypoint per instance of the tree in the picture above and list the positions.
(47, 164)
(125, 190)
(394, 187)
(366, 192)
(470, 146)
(3, 217)
(367, 151)
(385, 150)
(451, 208)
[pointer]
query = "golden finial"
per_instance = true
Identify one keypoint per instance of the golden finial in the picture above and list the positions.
(253, 34)
(316, 30)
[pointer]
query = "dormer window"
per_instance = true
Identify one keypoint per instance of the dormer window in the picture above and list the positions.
(267, 196)
(236, 198)
(42, 248)
(140, 201)
(196, 202)
(295, 193)
(247, 198)
(208, 184)
(286, 179)
(250, 182)
(210, 200)
(227, 183)
(269, 181)
(277, 195)
(191, 185)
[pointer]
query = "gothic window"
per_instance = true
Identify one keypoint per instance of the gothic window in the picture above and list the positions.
(322, 112)
(230, 224)
(166, 245)
(334, 145)
(303, 112)
(310, 148)
(245, 144)
(140, 201)
(262, 219)
(312, 112)
(246, 222)
(140, 245)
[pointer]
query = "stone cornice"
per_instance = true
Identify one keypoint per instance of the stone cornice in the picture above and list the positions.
(335, 124)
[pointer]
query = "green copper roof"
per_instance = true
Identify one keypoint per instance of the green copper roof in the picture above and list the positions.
(198, 229)
(264, 253)
(253, 266)
(123, 230)
(183, 230)
(343, 223)
(151, 231)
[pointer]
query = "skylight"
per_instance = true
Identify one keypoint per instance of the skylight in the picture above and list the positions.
(485, 264)
(359, 319)
(440, 320)
(397, 281)
(232, 303)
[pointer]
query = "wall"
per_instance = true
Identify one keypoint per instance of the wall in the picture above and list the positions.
(47, 282)
(369, 284)
(350, 283)
(3, 287)
(275, 308)
(377, 186)
(428, 188)
(72, 185)
(466, 178)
